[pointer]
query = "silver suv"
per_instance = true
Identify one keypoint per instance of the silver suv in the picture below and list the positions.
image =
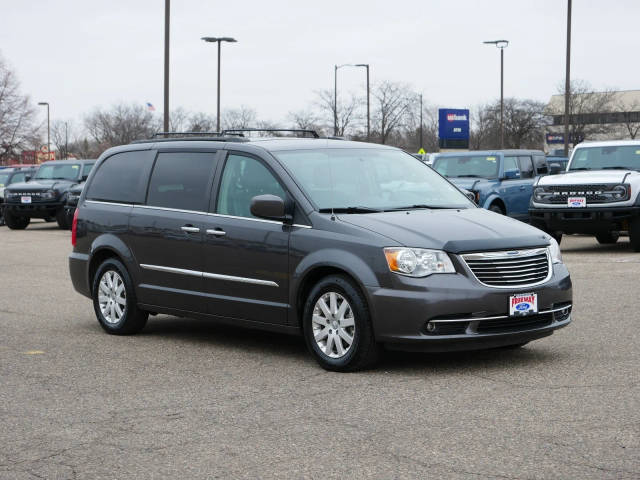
(599, 194)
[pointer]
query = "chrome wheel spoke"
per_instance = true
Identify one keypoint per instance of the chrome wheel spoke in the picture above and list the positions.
(320, 320)
(323, 306)
(345, 336)
(328, 349)
(339, 347)
(347, 322)
(121, 301)
(333, 303)
(321, 334)
(342, 310)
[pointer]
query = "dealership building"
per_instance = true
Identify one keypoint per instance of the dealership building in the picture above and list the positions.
(606, 116)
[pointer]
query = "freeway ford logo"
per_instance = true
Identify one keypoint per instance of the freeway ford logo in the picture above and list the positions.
(577, 202)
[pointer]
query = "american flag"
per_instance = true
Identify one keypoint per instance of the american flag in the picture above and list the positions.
(150, 107)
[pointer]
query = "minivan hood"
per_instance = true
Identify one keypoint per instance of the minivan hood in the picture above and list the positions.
(581, 177)
(38, 185)
(452, 230)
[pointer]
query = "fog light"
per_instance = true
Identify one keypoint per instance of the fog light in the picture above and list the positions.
(431, 327)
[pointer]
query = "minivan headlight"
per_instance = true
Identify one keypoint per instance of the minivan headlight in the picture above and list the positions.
(554, 251)
(417, 262)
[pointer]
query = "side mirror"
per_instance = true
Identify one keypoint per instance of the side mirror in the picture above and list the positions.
(511, 174)
(84, 178)
(27, 178)
(470, 195)
(270, 207)
(554, 168)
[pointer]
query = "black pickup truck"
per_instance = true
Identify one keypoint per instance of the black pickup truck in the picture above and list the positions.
(44, 195)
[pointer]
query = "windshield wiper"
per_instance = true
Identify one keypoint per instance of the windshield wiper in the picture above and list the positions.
(350, 210)
(468, 176)
(616, 168)
(578, 168)
(421, 205)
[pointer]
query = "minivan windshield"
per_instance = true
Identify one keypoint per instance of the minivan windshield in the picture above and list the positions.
(625, 157)
(481, 166)
(365, 180)
(61, 171)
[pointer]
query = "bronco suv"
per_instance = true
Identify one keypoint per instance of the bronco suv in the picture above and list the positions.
(45, 195)
(599, 194)
(353, 245)
(500, 180)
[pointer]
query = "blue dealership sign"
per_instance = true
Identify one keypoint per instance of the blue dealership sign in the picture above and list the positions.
(453, 124)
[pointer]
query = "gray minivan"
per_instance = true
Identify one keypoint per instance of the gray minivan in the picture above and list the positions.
(355, 246)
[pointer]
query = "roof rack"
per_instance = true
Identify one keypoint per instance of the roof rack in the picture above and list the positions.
(194, 137)
(174, 134)
(240, 131)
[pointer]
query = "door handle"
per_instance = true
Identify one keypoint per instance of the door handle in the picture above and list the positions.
(190, 229)
(522, 187)
(217, 233)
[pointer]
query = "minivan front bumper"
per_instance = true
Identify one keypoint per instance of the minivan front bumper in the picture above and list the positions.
(466, 314)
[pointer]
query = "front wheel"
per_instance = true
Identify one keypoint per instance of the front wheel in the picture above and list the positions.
(114, 300)
(606, 238)
(16, 222)
(634, 234)
(337, 326)
(496, 208)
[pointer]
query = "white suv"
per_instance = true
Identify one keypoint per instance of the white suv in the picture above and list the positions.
(599, 194)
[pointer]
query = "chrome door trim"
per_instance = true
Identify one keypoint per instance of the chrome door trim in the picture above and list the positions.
(167, 209)
(101, 202)
(231, 278)
(214, 276)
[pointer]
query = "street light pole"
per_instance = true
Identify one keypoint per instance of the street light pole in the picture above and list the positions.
(501, 44)
(567, 82)
(421, 135)
(219, 41)
(167, 13)
(48, 129)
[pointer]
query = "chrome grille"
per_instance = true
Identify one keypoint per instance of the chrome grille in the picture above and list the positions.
(594, 193)
(512, 268)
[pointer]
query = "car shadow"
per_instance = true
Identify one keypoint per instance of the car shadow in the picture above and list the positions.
(203, 332)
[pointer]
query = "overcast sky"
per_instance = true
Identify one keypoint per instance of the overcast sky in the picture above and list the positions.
(79, 54)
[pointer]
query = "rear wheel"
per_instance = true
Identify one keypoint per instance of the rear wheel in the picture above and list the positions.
(16, 222)
(61, 218)
(337, 326)
(114, 300)
(634, 234)
(608, 237)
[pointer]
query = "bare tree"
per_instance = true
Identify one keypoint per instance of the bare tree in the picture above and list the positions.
(391, 103)
(179, 120)
(18, 126)
(62, 136)
(524, 122)
(201, 122)
(630, 117)
(243, 117)
(483, 131)
(409, 136)
(120, 124)
(345, 111)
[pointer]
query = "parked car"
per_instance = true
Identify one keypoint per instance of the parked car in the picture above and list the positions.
(9, 176)
(73, 195)
(501, 180)
(351, 245)
(44, 195)
(557, 163)
(598, 195)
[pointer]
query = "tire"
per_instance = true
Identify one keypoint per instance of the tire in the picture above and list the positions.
(634, 234)
(116, 309)
(353, 323)
(16, 222)
(607, 238)
(49, 219)
(557, 236)
(61, 218)
(496, 208)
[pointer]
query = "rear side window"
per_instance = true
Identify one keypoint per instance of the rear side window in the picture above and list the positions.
(122, 177)
(86, 169)
(526, 167)
(182, 180)
(541, 164)
(510, 163)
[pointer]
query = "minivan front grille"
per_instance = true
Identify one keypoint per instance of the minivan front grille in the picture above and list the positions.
(513, 268)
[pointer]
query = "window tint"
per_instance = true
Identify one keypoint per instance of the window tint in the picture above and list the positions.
(526, 167)
(122, 177)
(510, 163)
(181, 180)
(541, 164)
(244, 178)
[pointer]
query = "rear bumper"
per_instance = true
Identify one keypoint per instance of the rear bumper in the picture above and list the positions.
(584, 220)
(79, 272)
(466, 314)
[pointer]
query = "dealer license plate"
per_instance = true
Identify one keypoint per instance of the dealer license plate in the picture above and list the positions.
(577, 202)
(25, 199)
(523, 304)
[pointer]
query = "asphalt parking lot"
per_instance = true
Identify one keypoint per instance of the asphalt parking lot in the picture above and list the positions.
(192, 399)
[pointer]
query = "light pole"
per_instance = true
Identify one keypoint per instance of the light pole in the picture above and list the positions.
(219, 41)
(167, 12)
(421, 135)
(335, 96)
(48, 129)
(567, 82)
(501, 44)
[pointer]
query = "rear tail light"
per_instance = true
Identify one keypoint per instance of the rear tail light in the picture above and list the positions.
(74, 228)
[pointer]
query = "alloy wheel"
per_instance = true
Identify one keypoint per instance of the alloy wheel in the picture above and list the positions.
(112, 297)
(333, 325)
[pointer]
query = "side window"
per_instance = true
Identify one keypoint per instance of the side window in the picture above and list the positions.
(18, 177)
(526, 167)
(244, 178)
(511, 164)
(182, 180)
(86, 169)
(122, 177)
(540, 162)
